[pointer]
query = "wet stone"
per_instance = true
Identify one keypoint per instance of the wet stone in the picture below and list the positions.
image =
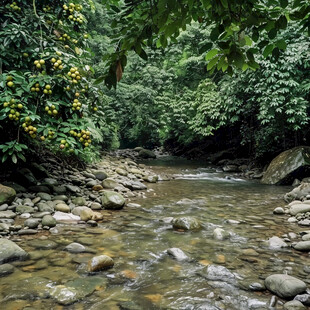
(294, 305)
(6, 269)
(27, 232)
(177, 254)
(32, 223)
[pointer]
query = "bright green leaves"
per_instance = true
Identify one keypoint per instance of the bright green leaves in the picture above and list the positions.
(211, 54)
(268, 50)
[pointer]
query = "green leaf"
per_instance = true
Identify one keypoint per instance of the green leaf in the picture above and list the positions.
(99, 80)
(281, 44)
(211, 54)
(214, 34)
(272, 33)
(212, 63)
(14, 159)
(268, 50)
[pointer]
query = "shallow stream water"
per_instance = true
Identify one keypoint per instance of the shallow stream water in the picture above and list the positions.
(144, 275)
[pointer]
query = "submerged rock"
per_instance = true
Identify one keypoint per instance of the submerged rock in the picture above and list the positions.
(302, 246)
(285, 286)
(276, 243)
(100, 262)
(10, 251)
(178, 254)
(6, 269)
(287, 166)
(220, 234)
(186, 223)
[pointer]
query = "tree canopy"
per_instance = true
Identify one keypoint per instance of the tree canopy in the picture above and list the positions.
(240, 29)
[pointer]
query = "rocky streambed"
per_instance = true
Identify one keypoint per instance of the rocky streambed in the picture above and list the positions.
(117, 236)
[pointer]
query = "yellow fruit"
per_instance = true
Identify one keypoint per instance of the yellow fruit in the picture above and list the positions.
(36, 62)
(79, 135)
(42, 138)
(95, 109)
(5, 104)
(48, 86)
(10, 84)
(38, 65)
(20, 106)
(27, 119)
(10, 116)
(47, 108)
(60, 67)
(25, 55)
(63, 141)
(37, 89)
(37, 85)
(78, 108)
(74, 81)
(68, 88)
(42, 61)
(56, 64)
(55, 112)
(52, 107)
(24, 125)
(50, 92)
(53, 60)
(30, 127)
(86, 144)
(50, 112)
(58, 53)
(74, 105)
(81, 139)
(9, 78)
(32, 89)
(61, 146)
(45, 91)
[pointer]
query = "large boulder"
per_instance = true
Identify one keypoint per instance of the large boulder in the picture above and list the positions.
(10, 251)
(288, 166)
(112, 200)
(146, 154)
(285, 286)
(7, 194)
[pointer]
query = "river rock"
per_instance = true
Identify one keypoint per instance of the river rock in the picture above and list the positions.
(18, 188)
(62, 207)
(65, 217)
(151, 178)
(299, 208)
(100, 175)
(44, 207)
(112, 200)
(72, 188)
(219, 273)
(6, 269)
(186, 223)
(100, 262)
(109, 184)
(38, 189)
(303, 298)
(32, 223)
(146, 154)
(7, 194)
(276, 243)
(298, 193)
(121, 171)
(79, 201)
(24, 209)
(64, 295)
(44, 196)
(49, 221)
(302, 246)
(75, 247)
(10, 251)
(95, 206)
(278, 210)
(220, 234)
(9, 214)
(285, 286)
(84, 213)
(287, 166)
(178, 254)
(294, 305)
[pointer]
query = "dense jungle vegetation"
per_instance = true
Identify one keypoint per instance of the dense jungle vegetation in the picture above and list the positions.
(192, 75)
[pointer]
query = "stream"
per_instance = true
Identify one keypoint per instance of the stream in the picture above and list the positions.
(144, 275)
